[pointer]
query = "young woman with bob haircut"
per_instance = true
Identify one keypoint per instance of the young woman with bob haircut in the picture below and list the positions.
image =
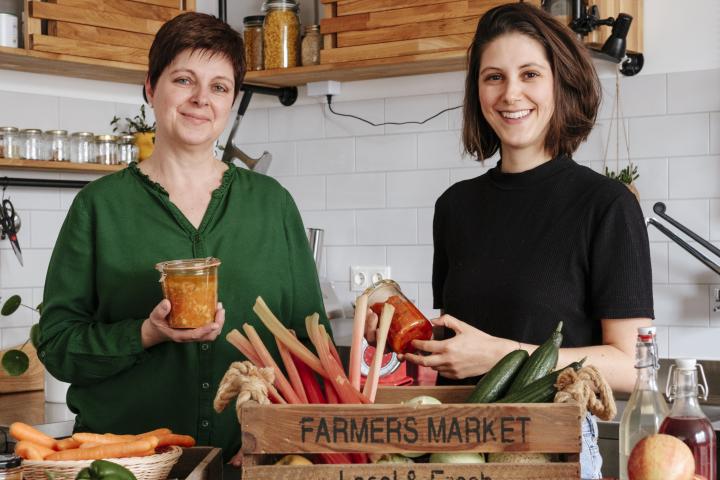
(104, 328)
(538, 239)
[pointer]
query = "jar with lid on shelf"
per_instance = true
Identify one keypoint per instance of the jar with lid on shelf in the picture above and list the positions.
(82, 147)
(57, 146)
(106, 149)
(10, 467)
(31, 144)
(253, 40)
(281, 34)
(126, 150)
(311, 45)
(9, 142)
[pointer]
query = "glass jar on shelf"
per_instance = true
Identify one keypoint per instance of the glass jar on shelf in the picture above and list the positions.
(57, 146)
(9, 142)
(106, 149)
(311, 45)
(253, 40)
(31, 144)
(10, 467)
(281, 34)
(82, 147)
(126, 150)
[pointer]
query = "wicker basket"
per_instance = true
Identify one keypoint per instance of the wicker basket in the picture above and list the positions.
(152, 467)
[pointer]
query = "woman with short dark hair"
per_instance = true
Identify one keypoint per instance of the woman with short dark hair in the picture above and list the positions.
(104, 328)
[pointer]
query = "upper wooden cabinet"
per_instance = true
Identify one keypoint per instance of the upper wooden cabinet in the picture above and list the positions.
(364, 39)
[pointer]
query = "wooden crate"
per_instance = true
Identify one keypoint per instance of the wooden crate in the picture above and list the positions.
(387, 427)
(356, 30)
(198, 463)
(116, 30)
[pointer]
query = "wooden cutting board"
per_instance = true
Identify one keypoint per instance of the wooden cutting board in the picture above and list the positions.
(32, 379)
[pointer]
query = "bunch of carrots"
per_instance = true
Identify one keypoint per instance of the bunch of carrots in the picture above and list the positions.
(299, 382)
(35, 445)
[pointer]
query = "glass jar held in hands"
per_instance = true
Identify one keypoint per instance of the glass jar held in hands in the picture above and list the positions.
(407, 323)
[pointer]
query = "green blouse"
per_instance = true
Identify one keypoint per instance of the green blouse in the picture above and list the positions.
(101, 285)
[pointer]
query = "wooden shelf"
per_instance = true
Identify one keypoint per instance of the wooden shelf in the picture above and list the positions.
(16, 163)
(24, 60)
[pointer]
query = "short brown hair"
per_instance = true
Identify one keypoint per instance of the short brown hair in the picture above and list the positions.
(196, 31)
(576, 87)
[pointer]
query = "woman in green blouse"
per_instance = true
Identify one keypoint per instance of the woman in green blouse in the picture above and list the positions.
(104, 327)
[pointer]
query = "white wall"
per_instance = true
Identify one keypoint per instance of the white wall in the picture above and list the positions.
(351, 178)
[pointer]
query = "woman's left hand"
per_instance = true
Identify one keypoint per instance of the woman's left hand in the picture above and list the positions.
(469, 353)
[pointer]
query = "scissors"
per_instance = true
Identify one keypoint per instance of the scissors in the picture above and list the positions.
(7, 222)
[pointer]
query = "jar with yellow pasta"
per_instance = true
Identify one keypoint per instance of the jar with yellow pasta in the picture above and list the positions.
(281, 34)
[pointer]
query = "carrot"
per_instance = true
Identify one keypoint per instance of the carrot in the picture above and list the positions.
(281, 382)
(111, 450)
(158, 432)
(32, 451)
(292, 372)
(67, 444)
(175, 439)
(93, 444)
(23, 431)
(102, 438)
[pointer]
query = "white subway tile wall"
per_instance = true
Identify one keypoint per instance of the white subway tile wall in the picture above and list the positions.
(373, 189)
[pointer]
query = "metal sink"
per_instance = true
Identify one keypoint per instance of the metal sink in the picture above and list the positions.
(608, 436)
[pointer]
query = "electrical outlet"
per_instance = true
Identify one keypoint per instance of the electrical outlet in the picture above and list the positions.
(714, 302)
(361, 277)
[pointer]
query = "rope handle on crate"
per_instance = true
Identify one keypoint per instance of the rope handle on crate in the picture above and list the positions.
(587, 388)
(246, 382)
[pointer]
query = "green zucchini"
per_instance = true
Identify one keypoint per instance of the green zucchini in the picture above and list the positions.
(542, 361)
(495, 382)
(541, 390)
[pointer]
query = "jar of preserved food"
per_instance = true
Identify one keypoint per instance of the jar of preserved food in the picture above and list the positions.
(9, 142)
(407, 323)
(253, 40)
(126, 150)
(191, 286)
(57, 146)
(106, 149)
(82, 147)
(311, 45)
(281, 34)
(31, 144)
(10, 467)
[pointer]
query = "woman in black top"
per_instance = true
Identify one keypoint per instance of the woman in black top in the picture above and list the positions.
(539, 238)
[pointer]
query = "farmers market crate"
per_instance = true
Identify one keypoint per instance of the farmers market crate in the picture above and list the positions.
(356, 30)
(270, 431)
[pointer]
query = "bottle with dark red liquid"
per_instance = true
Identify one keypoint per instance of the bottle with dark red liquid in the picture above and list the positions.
(687, 420)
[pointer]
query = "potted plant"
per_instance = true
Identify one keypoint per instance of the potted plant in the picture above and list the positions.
(15, 361)
(139, 128)
(627, 175)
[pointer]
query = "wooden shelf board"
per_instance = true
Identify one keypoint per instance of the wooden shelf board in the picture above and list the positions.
(24, 60)
(16, 163)
(81, 67)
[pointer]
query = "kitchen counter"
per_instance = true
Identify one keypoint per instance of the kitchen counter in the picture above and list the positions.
(55, 419)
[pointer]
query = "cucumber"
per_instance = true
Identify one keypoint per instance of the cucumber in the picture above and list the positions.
(541, 390)
(495, 382)
(542, 361)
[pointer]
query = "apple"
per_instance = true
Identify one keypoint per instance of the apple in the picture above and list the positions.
(457, 457)
(661, 457)
(390, 458)
(518, 457)
(420, 400)
(293, 460)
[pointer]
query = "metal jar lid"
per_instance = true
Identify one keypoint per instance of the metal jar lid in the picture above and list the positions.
(9, 461)
(83, 134)
(31, 131)
(280, 5)
(62, 133)
(126, 139)
(105, 138)
(254, 20)
(9, 129)
(311, 28)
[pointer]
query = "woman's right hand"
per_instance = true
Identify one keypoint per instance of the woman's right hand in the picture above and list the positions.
(156, 329)
(371, 326)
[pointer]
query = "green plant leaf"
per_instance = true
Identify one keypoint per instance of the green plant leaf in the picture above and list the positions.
(39, 308)
(11, 305)
(15, 362)
(35, 335)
